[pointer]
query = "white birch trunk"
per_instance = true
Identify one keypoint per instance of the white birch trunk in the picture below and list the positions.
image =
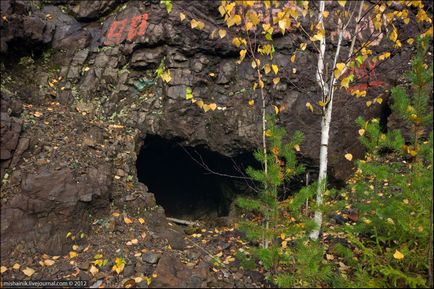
(328, 95)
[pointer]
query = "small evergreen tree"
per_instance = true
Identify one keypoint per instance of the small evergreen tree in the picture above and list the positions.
(278, 226)
(392, 191)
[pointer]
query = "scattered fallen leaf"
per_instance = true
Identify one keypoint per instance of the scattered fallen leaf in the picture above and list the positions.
(93, 270)
(297, 147)
(116, 214)
(16, 266)
(72, 254)
(127, 220)
(349, 156)
(3, 269)
(251, 102)
(141, 221)
(330, 257)
(49, 262)
(28, 271)
(398, 255)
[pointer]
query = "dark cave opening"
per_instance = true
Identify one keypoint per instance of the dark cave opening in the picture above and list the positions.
(186, 189)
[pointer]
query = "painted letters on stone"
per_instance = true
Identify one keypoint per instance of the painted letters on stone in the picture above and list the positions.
(128, 28)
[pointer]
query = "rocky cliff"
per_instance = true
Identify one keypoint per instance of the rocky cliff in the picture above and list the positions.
(79, 92)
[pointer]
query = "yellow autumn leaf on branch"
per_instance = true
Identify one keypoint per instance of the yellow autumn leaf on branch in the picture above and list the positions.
(197, 24)
(222, 33)
(293, 58)
(303, 46)
(349, 156)
(338, 70)
(251, 102)
(309, 106)
(242, 55)
(165, 76)
(342, 2)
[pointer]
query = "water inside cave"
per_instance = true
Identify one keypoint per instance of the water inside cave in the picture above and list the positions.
(189, 182)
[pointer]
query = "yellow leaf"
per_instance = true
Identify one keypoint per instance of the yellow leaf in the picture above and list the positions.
(293, 58)
(93, 270)
(16, 266)
(165, 76)
(297, 147)
(242, 55)
(72, 254)
(321, 103)
(325, 14)
(276, 109)
(199, 103)
(28, 271)
(349, 156)
(267, 68)
(181, 16)
(394, 34)
(251, 102)
(236, 41)
(342, 2)
(141, 221)
(368, 103)
(48, 262)
(276, 80)
(37, 114)
(116, 214)
(212, 106)
(127, 220)
(309, 106)
(282, 236)
(197, 24)
(361, 132)
(346, 82)
(3, 269)
(222, 33)
(206, 107)
(268, 133)
(398, 255)
(410, 41)
(275, 68)
(253, 17)
(379, 100)
(261, 83)
(284, 244)
(303, 46)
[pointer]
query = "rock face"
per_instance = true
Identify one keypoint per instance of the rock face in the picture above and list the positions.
(113, 64)
(50, 205)
(98, 58)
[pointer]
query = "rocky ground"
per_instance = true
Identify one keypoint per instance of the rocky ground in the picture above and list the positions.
(155, 252)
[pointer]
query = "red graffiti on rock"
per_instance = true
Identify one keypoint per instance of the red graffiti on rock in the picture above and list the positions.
(120, 30)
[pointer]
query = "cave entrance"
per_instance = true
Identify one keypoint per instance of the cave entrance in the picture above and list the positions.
(180, 178)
